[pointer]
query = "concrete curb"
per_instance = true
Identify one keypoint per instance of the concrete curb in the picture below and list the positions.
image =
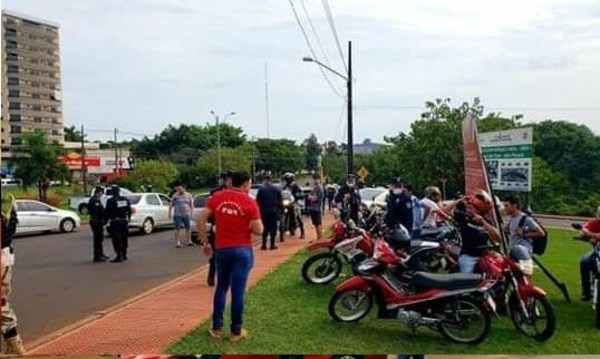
(566, 218)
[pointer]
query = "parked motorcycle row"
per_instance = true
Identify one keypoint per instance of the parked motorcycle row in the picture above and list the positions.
(417, 282)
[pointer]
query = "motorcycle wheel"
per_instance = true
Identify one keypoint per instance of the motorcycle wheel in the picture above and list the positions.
(465, 321)
(322, 268)
(350, 306)
(539, 309)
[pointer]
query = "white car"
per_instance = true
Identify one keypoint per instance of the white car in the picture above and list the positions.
(151, 210)
(35, 217)
(199, 204)
(370, 195)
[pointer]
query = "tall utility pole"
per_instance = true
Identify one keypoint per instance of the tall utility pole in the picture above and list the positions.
(116, 154)
(83, 165)
(253, 159)
(219, 137)
(348, 79)
(267, 100)
(350, 130)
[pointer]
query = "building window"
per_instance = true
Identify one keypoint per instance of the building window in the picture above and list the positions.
(15, 118)
(37, 119)
(13, 81)
(17, 141)
(12, 69)
(35, 95)
(55, 121)
(36, 108)
(15, 129)
(14, 93)
(14, 106)
(13, 57)
(55, 133)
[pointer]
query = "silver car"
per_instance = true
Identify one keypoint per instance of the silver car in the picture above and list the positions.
(199, 204)
(36, 217)
(151, 210)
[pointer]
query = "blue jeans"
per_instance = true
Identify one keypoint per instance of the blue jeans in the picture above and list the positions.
(467, 263)
(233, 268)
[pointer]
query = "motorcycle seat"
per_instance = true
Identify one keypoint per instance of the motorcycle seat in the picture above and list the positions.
(455, 281)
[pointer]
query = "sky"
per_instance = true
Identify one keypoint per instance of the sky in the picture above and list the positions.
(139, 65)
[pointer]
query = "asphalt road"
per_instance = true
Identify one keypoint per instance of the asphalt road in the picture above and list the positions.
(56, 283)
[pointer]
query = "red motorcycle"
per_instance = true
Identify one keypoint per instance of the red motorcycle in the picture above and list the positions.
(450, 304)
(527, 304)
(349, 242)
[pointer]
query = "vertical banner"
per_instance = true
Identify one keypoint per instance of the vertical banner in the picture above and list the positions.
(508, 156)
(475, 171)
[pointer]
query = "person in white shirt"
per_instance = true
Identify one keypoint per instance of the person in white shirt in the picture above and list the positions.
(430, 205)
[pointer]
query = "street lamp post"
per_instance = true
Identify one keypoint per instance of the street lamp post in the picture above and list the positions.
(348, 79)
(219, 137)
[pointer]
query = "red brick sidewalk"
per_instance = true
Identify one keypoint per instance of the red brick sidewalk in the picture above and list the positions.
(152, 322)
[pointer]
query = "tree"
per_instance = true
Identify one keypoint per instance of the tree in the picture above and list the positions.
(40, 163)
(570, 149)
(334, 167)
(278, 156)
(157, 173)
(184, 144)
(234, 159)
(72, 134)
(312, 149)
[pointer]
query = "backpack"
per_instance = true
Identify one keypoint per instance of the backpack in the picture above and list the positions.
(539, 243)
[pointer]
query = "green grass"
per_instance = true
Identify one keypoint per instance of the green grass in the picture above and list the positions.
(285, 315)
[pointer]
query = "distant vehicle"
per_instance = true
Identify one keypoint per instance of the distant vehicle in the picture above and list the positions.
(80, 204)
(151, 210)
(369, 194)
(11, 182)
(38, 217)
(199, 204)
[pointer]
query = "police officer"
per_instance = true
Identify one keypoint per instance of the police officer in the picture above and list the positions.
(348, 197)
(289, 184)
(269, 199)
(394, 211)
(97, 221)
(118, 212)
(224, 183)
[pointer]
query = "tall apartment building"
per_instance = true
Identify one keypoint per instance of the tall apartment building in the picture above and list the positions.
(31, 81)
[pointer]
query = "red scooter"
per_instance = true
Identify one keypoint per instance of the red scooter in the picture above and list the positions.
(447, 303)
(527, 304)
(348, 241)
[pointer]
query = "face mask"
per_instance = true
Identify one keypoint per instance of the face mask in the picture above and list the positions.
(350, 184)
(397, 190)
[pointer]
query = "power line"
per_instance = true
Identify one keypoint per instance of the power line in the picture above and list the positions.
(412, 107)
(314, 31)
(310, 48)
(335, 35)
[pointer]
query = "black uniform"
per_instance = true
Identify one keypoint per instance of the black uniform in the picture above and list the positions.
(399, 211)
(354, 202)
(211, 242)
(297, 192)
(269, 199)
(9, 228)
(118, 212)
(97, 222)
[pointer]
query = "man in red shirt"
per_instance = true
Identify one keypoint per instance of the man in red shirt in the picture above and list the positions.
(237, 218)
(591, 231)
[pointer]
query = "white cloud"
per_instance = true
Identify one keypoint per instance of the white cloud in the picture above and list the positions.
(161, 61)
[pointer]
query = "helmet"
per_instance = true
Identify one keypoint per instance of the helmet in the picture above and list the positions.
(115, 189)
(481, 202)
(288, 177)
(398, 238)
(396, 181)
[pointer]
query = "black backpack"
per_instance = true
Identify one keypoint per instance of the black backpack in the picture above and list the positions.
(539, 243)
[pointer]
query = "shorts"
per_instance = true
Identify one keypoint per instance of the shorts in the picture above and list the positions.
(181, 221)
(315, 217)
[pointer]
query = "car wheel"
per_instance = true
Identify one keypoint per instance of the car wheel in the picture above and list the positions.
(67, 225)
(148, 226)
(83, 209)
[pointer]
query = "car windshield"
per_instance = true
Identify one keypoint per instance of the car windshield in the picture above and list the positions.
(369, 193)
(200, 201)
(134, 198)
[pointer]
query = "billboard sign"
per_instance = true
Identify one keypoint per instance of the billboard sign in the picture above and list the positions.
(508, 158)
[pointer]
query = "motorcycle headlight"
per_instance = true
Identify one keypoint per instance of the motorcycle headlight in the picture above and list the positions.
(286, 202)
(526, 266)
